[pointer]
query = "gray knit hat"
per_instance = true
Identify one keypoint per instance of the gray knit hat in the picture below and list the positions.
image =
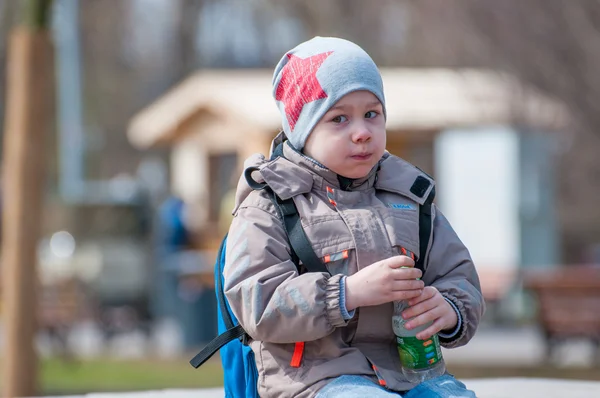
(312, 77)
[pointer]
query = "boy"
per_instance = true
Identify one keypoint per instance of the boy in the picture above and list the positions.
(330, 334)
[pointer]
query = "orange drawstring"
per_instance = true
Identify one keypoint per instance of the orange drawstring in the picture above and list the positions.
(297, 357)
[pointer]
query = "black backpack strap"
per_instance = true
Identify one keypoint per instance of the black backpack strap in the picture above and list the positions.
(301, 248)
(215, 345)
(299, 243)
(425, 226)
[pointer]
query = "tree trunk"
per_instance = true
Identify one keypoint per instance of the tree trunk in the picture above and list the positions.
(28, 119)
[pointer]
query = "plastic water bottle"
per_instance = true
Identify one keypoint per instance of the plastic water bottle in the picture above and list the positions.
(421, 359)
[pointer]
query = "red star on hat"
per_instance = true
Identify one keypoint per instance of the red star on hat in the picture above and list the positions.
(299, 84)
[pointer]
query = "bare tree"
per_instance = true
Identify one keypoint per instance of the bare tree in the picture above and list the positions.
(28, 115)
(552, 45)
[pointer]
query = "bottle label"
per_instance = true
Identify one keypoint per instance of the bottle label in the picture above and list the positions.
(419, 354)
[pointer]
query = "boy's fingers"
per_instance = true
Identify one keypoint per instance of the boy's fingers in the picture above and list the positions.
(428, 293)
(424, 318)
(406, 273)
(407, 284)
(430, 331)
(405, 294)
(420, 308)
(400, 261)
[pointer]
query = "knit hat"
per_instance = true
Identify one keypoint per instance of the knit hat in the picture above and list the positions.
(313, 76)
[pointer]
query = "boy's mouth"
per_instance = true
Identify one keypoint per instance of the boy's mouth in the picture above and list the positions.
(362, 156)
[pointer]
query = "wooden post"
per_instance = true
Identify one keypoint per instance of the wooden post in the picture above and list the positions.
(28, 120)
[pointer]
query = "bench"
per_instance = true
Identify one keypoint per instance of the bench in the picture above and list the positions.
(568, 304)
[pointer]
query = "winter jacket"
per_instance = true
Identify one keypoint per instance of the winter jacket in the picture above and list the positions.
(350, 228)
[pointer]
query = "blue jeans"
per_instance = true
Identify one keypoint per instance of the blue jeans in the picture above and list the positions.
(445, 386)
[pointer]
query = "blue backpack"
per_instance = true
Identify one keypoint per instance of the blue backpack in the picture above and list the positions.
(239, 367)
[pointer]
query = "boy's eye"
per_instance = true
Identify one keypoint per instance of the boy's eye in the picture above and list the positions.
(370, 114)
(339, 119)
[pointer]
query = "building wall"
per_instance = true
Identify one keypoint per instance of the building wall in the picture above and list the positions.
(477, 172)
(538, 207)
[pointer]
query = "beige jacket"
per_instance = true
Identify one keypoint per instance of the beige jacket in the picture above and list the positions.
(369, 222)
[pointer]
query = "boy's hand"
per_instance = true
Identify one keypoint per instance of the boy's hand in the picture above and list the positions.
(383, 282)
(430, 306)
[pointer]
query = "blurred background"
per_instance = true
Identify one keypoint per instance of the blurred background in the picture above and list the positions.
(154, 105)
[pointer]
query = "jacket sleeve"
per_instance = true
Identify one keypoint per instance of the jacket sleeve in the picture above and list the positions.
(268, 297)
(451, 270)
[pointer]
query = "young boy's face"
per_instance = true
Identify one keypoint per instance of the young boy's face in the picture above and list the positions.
(350, 138)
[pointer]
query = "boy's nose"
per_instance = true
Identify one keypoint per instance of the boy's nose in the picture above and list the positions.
(361, 134)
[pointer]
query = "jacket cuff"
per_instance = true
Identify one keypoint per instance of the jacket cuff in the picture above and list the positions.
(332, 301)
(345, 314)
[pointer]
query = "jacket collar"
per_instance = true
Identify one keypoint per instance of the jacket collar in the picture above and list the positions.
(324, 176)
(296, 173)
(398, 176)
